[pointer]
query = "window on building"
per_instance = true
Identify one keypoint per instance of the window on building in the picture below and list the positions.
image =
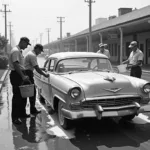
(115, 49)
(109, 47)
(127, 49)
(148, 47)
(142, 47)
(112, 49)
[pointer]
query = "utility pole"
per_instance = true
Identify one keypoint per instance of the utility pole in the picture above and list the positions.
(48, 30)
(33, 43)
(5, 11)
(41, 34)
(90, 23)
(61, 21)
(10, 35)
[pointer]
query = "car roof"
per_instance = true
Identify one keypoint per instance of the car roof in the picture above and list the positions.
(63, 55)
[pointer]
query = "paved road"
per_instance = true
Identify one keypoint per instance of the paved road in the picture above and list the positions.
(145, 76)
(89, 134)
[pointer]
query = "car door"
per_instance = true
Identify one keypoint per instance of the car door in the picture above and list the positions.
(44, 79)
(47, 89)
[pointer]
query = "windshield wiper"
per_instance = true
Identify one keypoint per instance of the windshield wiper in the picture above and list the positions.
(80, 70)
(103, 70)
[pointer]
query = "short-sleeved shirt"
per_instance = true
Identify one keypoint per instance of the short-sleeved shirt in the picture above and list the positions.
(30, 60)
(106, 52)
(135, 56)
(16, 56)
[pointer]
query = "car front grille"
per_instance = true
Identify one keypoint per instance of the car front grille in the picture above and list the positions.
(110, 102)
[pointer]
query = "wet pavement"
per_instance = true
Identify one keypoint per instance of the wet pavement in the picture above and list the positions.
(31, 134)
(88, 134)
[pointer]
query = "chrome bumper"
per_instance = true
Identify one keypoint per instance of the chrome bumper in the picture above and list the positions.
(100, 112)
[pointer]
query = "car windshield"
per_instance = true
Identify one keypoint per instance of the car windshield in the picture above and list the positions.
(83, 64)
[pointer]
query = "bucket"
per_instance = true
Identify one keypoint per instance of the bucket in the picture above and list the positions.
(122, 68)
(27, 90)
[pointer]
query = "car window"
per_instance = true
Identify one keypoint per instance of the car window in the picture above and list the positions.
(51, 65)
(103, 64)
(46, 64)
(93, 63)
(83, 64)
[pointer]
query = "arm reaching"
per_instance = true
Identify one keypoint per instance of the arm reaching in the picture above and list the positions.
(41, 72)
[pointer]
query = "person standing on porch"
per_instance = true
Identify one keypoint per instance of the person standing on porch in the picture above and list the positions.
(135, 60)
(104, 51)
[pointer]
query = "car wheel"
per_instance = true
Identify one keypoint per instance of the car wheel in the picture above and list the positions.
(64, 122)
(128, 118)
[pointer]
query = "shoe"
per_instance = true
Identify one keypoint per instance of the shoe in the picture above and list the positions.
(25, 116)
(35, 112)
(17, 121)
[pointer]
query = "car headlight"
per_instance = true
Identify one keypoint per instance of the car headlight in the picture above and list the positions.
(146, 88)
(75, 92)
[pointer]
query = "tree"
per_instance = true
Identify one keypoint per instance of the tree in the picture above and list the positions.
(3, 42)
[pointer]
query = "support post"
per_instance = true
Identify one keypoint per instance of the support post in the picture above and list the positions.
(121, 44)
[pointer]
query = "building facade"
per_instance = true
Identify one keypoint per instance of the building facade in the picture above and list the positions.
(117, 32)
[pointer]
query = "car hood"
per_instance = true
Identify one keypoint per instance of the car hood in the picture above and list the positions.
(97, 84)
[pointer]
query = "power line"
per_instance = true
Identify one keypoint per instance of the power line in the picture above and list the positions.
(5, 12)
(90, 23)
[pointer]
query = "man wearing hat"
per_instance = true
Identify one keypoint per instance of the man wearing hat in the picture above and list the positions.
(135, 60)
(103, 50)
(31, 64)
(17, 76)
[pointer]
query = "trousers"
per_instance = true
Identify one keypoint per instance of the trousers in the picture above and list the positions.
(18, 103)
(32, 99)
(136, 72)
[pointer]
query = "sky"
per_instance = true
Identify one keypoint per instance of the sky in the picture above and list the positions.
(33, 18)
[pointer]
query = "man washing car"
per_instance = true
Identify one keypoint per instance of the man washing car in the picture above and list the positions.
(31, 64)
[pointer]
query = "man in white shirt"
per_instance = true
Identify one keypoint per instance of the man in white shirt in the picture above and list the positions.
(135, 60)
(31, 64)
(103, 50)
(17, 77)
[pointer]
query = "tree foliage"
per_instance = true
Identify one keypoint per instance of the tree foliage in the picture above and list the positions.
(3, 42)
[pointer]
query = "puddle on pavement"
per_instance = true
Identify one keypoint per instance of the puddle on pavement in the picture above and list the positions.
(31, 134)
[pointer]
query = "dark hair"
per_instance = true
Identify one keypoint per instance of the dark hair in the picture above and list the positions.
(38, 46)
(25, 39)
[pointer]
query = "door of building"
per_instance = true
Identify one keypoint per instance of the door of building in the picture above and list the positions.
(148, 51)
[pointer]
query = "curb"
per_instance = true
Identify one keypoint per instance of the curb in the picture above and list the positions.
(3, 79)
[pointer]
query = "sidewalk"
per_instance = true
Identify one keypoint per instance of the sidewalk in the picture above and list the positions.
(3, 74)
(145, 68)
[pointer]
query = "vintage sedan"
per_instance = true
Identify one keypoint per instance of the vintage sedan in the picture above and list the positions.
(84, 85)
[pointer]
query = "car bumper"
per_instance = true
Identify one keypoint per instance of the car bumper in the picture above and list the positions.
(100, 112)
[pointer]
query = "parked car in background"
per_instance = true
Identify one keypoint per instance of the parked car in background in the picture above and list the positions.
(84, 85)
